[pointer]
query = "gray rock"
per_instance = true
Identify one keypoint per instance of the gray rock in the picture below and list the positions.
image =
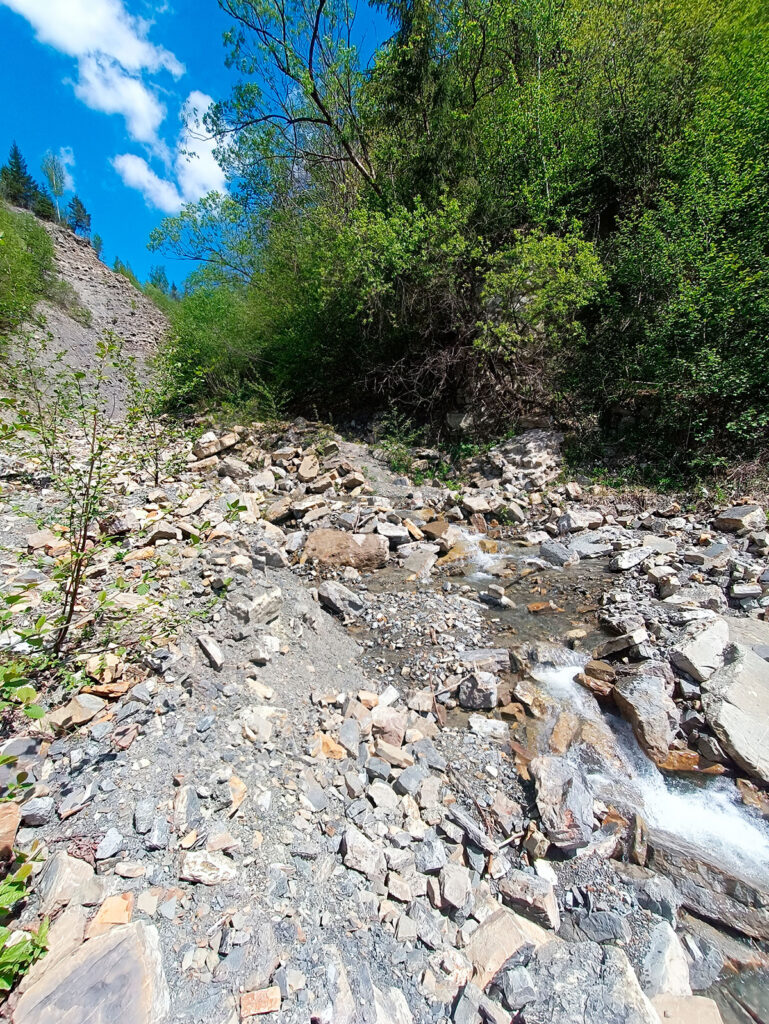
(159, 834)
(116, 978)
(144, 812)
(564, 802)
(339, 599)
(700, 652)
(207, 868)
(111, 844)
(518, 987)
(588, 983)
(430, 855)
(735, 701)
(557, 553)
(478, 692)
(741, 517)
(630, 559)
(604, 926)
(664, 970)
(37, 811)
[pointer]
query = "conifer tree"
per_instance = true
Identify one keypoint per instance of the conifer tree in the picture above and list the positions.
(16, 183)
(78, 217)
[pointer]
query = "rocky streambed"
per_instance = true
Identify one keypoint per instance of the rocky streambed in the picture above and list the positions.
(354, 750)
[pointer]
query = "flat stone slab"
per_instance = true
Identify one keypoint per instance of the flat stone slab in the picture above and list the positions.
(116, 978)
(736, 705)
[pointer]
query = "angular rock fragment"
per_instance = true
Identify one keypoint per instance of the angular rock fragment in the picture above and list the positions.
(115, 978)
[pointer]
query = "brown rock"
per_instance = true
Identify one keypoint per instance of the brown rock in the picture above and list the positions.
(113, 911)
(337, 547)
(264, 1000)
(686, 1010)
(496, 939)
(10, 816)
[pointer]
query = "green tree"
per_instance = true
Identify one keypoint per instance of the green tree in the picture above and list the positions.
(16, 183)
(42, 205)
(55, 174)
(78, 218)
(158, 278)
(98, 244)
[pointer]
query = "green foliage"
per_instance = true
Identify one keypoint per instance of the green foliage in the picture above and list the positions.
(18, 951)
(55, 174)
(98, 244)
(26, 267)
(78, 218)
(17, 185)
(515, 207)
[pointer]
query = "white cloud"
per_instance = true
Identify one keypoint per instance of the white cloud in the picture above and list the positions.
(83, 27)
(137, 173)
(67, 157)
(197, 172)
(112, 50)
(103, 85)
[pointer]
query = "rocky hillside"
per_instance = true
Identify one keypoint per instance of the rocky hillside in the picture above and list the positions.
(349, 751)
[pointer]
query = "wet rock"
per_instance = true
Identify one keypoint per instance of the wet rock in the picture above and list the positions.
(588, 983)
(701, 651)
(565, 804)
(557, 553)
(644, 702)
(736, 894)
(337, 547)
(735, 701)
(665, 970)
(115, 978)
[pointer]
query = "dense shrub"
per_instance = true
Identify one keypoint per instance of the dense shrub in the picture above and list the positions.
(513, 208)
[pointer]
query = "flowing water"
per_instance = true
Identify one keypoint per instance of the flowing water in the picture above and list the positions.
(707, 812)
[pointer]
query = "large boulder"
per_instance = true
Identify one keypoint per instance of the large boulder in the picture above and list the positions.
(116, 978)
(643, 701)
(741, 517)
(588, 983)
(736, 704)
(700, 652)
(724, 891)
(338, 547)
(564, 802)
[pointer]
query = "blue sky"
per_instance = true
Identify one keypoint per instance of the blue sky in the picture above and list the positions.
(109, 84)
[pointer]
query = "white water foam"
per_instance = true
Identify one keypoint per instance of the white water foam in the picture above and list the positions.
(708, 813)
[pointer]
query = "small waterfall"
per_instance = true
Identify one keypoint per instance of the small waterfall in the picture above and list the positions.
(707, 811)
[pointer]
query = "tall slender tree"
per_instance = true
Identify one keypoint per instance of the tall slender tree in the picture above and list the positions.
(56, 176)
